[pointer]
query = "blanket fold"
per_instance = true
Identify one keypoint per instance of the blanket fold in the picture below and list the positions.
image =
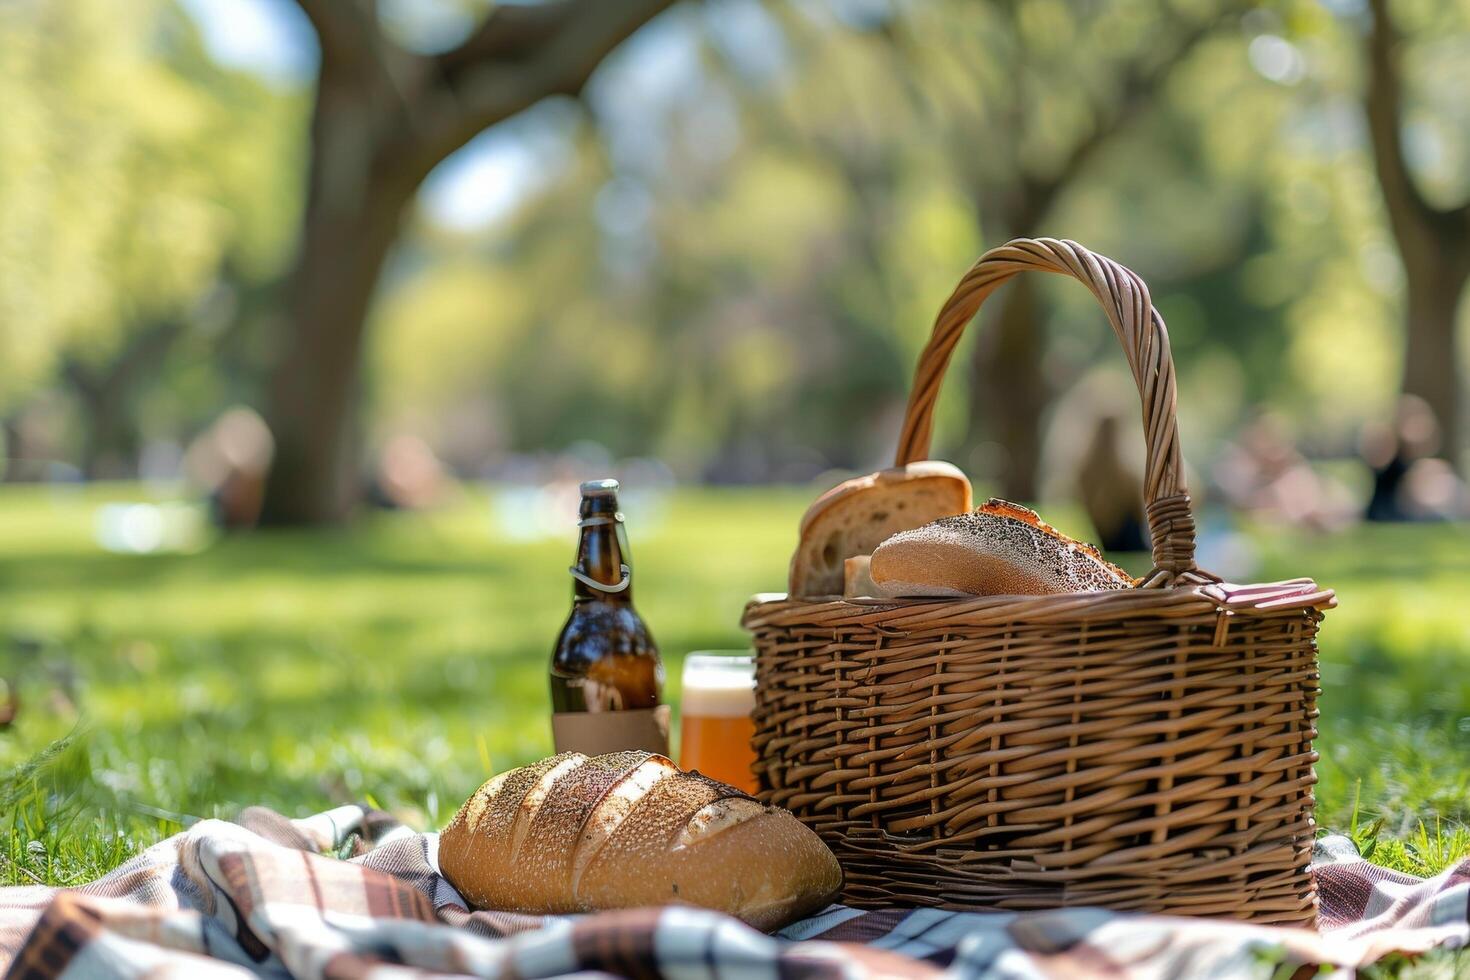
(268, 897)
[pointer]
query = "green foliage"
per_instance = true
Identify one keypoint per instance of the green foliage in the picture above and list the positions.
(753, 303)
(60, 826)
(1396, 672)
(735, 269)
(136, 176)
(404, 662)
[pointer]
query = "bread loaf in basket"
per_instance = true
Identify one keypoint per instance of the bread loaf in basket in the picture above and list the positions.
(1144, 748)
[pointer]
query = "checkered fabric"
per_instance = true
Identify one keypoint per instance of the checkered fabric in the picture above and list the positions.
(263, 898)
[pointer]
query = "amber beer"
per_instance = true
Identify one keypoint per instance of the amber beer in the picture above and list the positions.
(715, 724)
(606, 676)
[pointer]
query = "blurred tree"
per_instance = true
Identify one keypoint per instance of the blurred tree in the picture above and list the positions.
(138, 180)
(1434, 241)
(155, 362)
(732, 257)
(383, 118)
(1026, 101)
(110, 437)
(771, 242)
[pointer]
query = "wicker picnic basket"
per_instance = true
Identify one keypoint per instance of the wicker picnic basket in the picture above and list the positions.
(1146, 749)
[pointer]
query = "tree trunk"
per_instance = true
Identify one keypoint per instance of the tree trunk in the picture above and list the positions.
(110, 444)
(355, 202)
(1434, 285)
(1009, 391)
(313, 399)
(14, 460)
(111, 438)
(383, 117)
(1433, 242)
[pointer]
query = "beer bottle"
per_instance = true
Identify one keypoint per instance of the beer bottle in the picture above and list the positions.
(606, 676)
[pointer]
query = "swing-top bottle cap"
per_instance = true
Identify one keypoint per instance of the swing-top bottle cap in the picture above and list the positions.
(600, 488)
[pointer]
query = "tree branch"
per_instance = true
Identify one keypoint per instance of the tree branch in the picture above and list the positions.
(347, 31)
(100, 386)
(1013, 112)
(522, 55)
(1137, 89)
(1408, 211)
(510, 32)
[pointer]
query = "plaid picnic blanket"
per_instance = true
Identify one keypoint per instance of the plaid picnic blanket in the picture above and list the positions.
(268, 897)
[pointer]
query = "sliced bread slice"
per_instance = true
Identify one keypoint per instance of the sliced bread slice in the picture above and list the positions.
(856, 516)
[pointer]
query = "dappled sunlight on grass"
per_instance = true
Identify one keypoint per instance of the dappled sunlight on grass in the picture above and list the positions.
(404, 662)
(1395, 670)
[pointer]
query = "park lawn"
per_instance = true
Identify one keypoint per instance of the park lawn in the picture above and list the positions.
(402, 663)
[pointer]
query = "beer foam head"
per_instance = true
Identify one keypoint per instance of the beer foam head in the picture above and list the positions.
(718, 687)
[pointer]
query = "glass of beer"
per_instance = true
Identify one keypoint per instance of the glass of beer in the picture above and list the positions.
(716, 727)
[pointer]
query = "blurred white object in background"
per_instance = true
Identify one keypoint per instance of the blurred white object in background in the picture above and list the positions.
(544, 491)
(146, 528)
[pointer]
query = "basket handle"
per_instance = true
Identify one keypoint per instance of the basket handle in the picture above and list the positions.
(1140, 329)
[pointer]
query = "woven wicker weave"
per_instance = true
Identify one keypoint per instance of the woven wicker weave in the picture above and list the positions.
(1143, 749)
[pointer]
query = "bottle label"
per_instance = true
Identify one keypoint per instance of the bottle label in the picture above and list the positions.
(597, 732)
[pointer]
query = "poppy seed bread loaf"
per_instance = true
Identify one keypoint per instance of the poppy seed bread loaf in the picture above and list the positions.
(1000, 549)
(574, 833)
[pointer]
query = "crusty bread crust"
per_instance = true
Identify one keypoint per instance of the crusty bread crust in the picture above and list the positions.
(577, 834)
(1000, 549)
(855, 516)
(856, 582)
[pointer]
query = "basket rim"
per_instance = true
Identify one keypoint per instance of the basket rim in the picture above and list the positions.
(1283, 597)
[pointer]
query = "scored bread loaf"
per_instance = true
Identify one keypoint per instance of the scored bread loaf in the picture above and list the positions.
(1000, 549)
(854, 517)
(574, 833)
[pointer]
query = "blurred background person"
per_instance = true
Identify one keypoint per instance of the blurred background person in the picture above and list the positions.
(1409, 482)
(1264, 475)
(409, 476)
(230, 460)
(1111, 490)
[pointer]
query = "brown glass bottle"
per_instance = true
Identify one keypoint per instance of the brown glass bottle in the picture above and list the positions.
(606, 675)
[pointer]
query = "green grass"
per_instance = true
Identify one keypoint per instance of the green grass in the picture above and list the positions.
(403, 662)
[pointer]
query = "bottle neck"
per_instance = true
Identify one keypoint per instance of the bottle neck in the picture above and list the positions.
(602, 558)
